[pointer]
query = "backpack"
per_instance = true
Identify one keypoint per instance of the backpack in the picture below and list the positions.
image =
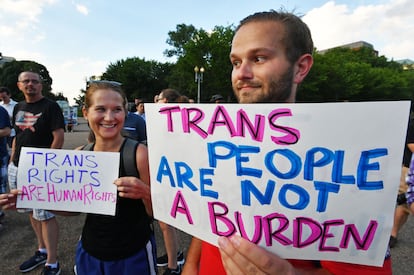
(128, 156)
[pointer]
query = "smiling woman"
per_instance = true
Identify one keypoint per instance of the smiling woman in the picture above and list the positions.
(123, 242)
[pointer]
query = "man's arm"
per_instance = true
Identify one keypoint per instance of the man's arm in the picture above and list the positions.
(13, 148)
(5, 132)
(411, 146)
(58, 138)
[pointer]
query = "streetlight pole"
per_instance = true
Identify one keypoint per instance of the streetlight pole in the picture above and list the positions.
(198, 74)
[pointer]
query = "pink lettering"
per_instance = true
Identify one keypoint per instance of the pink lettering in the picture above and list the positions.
(191, 118)
(180, 205)
(32, 192)
(365, 242)
(222, 224)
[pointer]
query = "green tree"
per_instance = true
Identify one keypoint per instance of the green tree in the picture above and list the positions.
(80, 99)
(139, 78)
(11, 70)
(178, 39)
(209, 50)
(354, 75)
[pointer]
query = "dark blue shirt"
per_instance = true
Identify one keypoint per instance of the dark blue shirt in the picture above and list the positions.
(135, 128)
(4, 123)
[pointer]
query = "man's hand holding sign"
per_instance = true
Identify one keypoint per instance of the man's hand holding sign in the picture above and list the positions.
(308, 181)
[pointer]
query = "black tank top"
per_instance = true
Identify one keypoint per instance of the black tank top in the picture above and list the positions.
(110, 238)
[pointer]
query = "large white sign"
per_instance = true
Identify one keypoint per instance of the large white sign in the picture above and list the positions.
(68, 180)
(306, 181)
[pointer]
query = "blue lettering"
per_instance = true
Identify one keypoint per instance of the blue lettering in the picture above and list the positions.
(184, 174)
(303, 196)
(364, 166)
(294, 159)
(324, 189)
(164, 170)
(337, 170)
(204, 182)
(247, 188)
(311, 162)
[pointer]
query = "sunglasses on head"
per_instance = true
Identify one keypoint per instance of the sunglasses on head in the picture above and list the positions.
(107, 82)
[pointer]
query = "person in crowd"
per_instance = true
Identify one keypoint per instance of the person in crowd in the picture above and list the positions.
(410, 186)
(401, 210)
(124, 243)
(174, 257)
(171, 96)
(38, 122)
(8, 103)
(139, 103)
(271, 54)
(5, 128)
(217, 99)
(135, 128)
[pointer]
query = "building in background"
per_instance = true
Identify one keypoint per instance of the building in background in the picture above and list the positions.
(353, 46)
(5, 59)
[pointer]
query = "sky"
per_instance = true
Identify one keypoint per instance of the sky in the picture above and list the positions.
(78, 39)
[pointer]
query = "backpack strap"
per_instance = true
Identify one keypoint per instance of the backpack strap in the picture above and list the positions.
(88, 147)
(129, 159)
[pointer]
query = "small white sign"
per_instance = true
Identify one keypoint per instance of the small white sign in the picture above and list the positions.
(68, 180)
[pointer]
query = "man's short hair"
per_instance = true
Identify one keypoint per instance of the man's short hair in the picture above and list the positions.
(5, 89)
(216, 97)
(298, 38)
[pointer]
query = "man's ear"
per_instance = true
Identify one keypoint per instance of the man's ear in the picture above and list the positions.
(302, 68)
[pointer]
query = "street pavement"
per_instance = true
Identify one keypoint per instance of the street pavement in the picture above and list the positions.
(18, 242)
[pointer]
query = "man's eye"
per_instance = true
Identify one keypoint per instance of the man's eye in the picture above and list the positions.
(236, 63)
(260, 59)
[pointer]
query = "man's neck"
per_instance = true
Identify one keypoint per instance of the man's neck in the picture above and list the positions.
(33, 99)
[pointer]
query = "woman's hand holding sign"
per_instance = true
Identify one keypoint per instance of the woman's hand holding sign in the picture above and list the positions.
(8, 200)
(132, 188)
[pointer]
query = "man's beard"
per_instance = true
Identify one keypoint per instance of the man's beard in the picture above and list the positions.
(280, 89)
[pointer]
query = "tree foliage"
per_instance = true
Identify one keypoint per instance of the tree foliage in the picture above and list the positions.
(197, 47)
(139, 78)
(11, 70)
(355, 75)
(340, 74)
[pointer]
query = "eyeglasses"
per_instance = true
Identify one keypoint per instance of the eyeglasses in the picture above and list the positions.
(27, 81)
